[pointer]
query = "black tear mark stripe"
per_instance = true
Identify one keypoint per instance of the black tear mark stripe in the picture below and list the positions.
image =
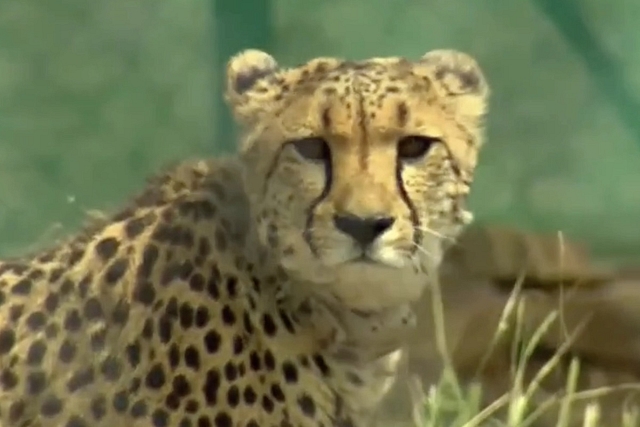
(415, 219)
(328, 173)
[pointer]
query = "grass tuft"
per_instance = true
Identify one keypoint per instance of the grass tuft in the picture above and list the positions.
(452, 404)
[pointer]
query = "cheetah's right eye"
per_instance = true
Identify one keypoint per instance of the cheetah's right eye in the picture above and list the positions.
(315, 149)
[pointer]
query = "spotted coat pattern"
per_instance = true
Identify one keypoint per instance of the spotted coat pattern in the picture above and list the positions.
(225, 294)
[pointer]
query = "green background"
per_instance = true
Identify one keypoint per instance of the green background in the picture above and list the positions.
(94, 96)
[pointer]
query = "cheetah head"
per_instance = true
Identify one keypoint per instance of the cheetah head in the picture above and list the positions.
(357, 172)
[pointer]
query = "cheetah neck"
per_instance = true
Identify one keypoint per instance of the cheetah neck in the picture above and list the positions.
(363, 351)
(363, 337)
(368, 346)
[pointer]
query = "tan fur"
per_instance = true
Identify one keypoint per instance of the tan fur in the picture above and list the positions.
(361, 110)
(224, 294)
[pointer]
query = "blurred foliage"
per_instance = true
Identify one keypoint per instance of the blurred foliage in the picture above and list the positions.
(94, 96)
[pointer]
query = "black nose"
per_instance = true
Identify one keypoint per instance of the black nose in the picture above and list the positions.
(363, 230)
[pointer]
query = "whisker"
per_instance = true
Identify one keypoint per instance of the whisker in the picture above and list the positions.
(426, 252)
(433, 232)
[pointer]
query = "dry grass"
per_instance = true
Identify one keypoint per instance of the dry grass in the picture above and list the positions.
(450, 404)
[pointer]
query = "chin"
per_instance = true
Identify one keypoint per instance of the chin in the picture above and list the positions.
(369, 286)
(387, 279)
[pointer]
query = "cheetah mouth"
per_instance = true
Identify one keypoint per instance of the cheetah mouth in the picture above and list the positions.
(366, 260)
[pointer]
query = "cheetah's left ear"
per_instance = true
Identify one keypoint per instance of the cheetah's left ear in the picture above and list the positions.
(460, 80)
(247, 91)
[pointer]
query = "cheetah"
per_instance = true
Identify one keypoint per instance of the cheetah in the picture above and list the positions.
(267, 288)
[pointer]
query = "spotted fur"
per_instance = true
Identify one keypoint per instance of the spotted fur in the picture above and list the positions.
(233, 292)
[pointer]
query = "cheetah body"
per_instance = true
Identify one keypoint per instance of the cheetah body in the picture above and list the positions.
(231, 292)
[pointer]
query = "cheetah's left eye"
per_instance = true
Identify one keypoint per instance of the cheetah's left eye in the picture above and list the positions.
(314, 148)
(415, 147)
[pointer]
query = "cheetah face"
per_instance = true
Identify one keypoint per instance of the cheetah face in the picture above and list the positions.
(357, 172)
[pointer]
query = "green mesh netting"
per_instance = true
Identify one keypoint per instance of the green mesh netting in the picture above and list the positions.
(96, 95)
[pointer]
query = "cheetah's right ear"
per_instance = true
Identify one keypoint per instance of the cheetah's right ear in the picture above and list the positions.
(460, 80)
(247, 91)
